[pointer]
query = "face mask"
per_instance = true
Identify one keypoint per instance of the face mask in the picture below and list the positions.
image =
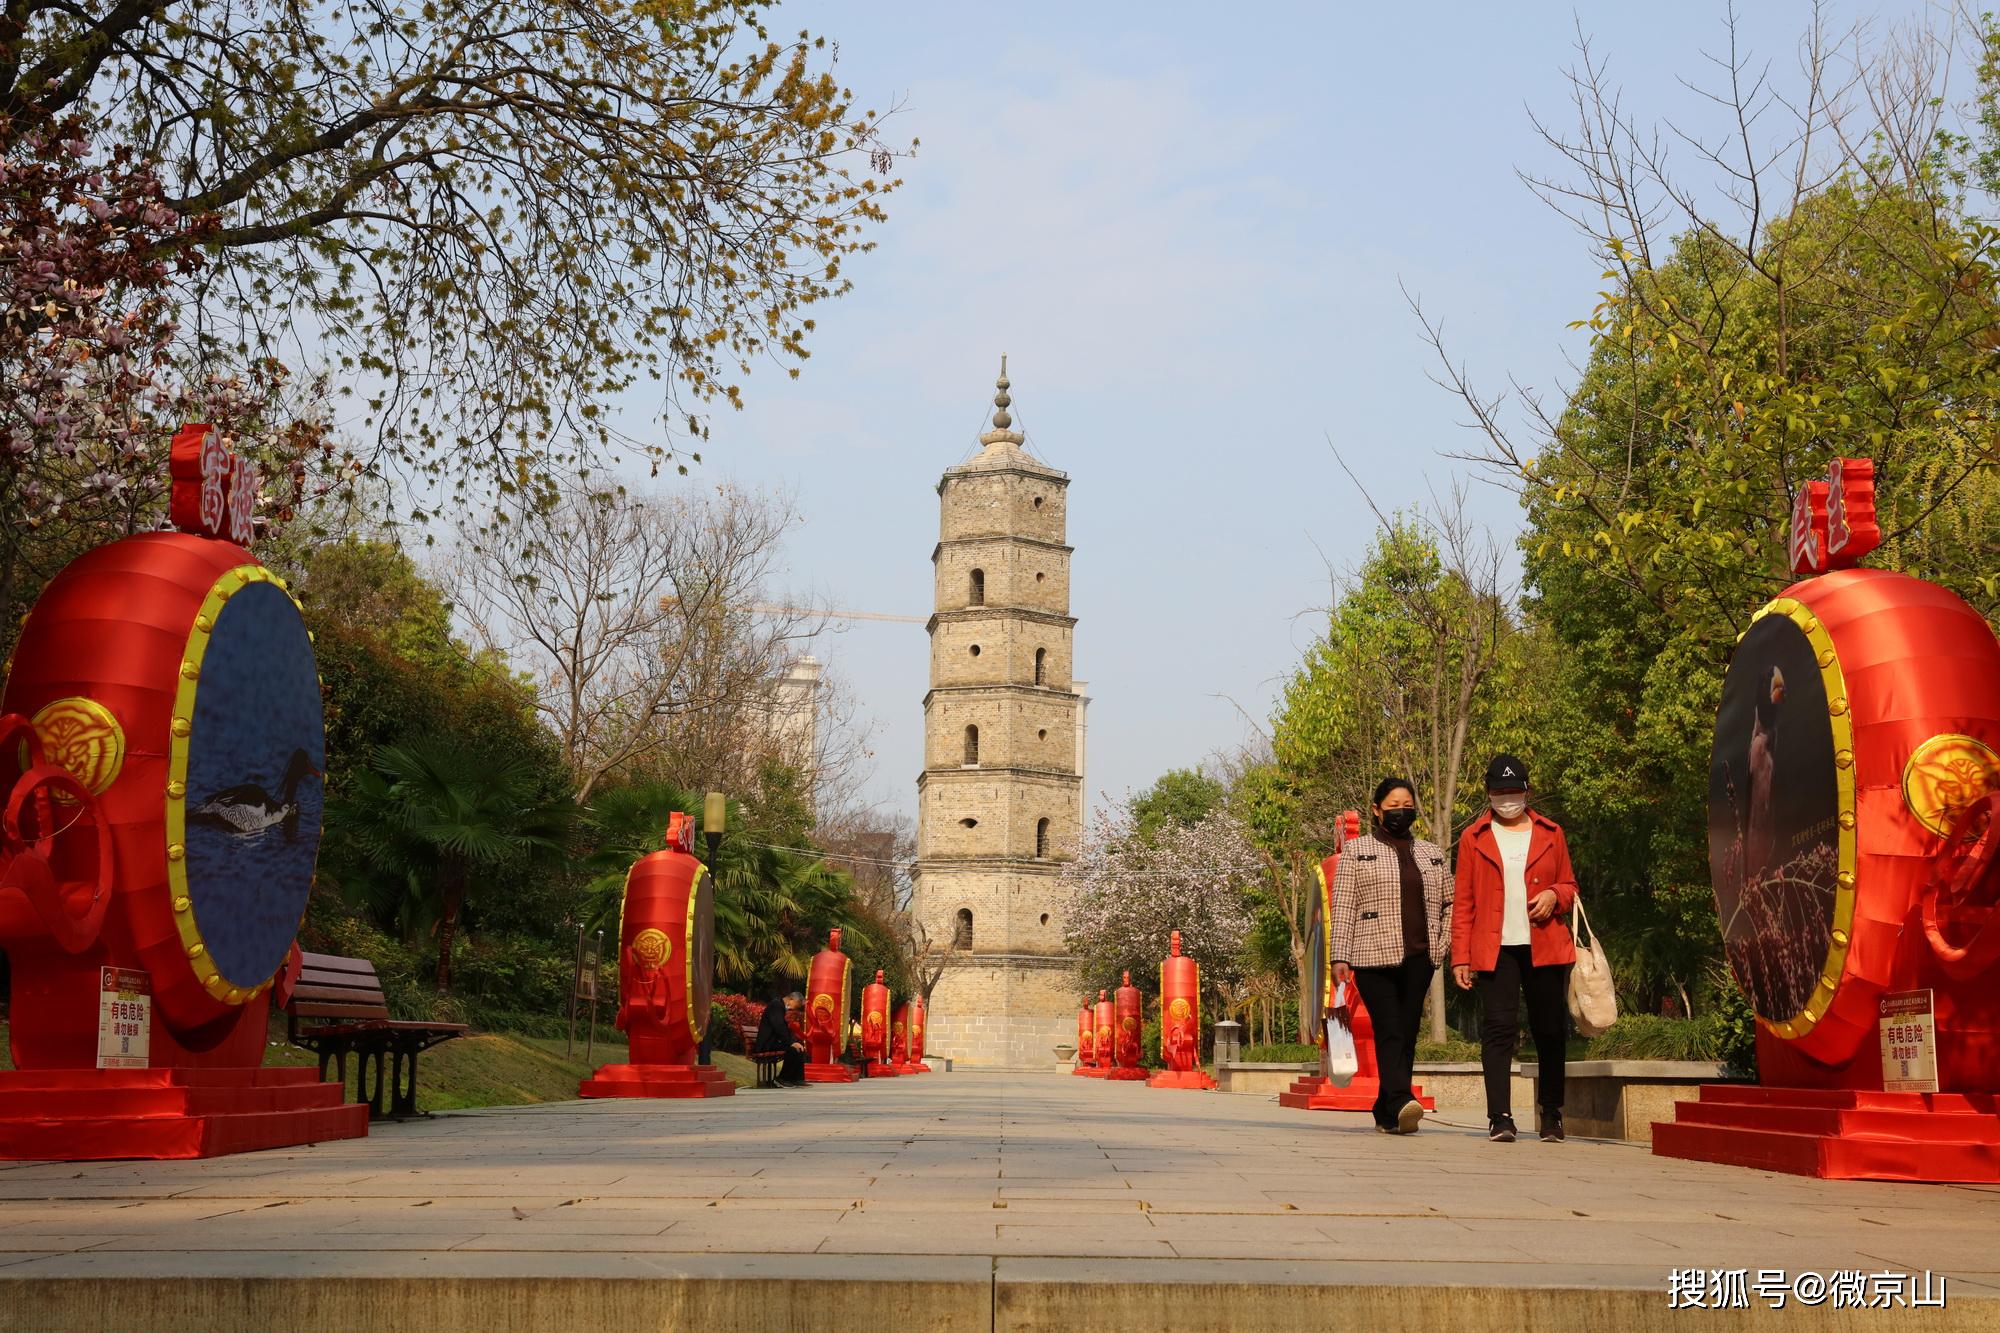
(1508, 807)
(1397, 823)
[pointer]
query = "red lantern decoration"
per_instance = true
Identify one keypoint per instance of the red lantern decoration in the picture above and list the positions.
(162, 755)
(1180, 1022)
(899, 1040)
(1128, 1009)
(875, 1046)
(1317, 1092)
(1856, 750)
(666, 974)
(1104, 1018)
(919, 1011)
(1086, 1043)
(829, 995)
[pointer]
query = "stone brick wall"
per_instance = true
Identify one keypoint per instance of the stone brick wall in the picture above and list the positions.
(1006, 642)
(1004, 809)
(1010, 502)
(1003, 1016)
(1017, 728)
(1033, 575)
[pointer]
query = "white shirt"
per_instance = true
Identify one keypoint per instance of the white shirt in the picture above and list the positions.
(1513, 845)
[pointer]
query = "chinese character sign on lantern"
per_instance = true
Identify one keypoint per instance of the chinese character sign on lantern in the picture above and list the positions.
(1854, 785)
(666, 974)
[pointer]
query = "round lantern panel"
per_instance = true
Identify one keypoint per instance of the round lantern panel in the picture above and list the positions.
(1775, 803)
(249, 759)
(700, 953)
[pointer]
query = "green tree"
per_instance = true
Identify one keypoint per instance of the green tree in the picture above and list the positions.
(498, 217)
(1181, 798)
(429, 819)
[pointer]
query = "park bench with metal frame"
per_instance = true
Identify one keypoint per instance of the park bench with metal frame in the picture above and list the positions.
(768, 1062)
(349, 1014)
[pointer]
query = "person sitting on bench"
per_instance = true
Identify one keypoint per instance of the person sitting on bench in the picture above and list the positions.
(775, 1037)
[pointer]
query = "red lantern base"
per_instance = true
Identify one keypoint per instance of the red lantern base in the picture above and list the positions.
(917, 1067)
(1088, 1071)
(1838, 1134)
(1318, 1093)
(882, 1069)
(829, 1074)
(94, 1115)
(1174, 1078)
(1123, 1075)
(657, 1081)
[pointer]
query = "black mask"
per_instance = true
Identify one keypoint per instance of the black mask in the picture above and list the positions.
(1397, 823)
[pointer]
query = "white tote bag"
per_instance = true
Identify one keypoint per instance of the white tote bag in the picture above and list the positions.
(1593, 1002)
(1341, 1061)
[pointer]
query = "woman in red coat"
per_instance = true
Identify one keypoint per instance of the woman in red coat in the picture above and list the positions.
(1507, 933)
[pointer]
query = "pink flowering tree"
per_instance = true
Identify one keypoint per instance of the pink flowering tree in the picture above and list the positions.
(95, 369)
(1129, 891)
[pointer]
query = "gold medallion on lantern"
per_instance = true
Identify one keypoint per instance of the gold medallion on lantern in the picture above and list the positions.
(823, 1005)
(1945, 775)
(1130, 1024)
(83, 736)
(652, 949)
(1179, 1010)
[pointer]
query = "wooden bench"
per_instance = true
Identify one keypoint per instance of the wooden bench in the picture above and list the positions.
(767, 1065)
(347, 1014)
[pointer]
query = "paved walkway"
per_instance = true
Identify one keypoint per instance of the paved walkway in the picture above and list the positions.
(1003, 1189)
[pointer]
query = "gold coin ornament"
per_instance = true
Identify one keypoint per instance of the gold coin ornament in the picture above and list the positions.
(652, 948)
(83, 736)
(1944, 776)
(1179, 1011)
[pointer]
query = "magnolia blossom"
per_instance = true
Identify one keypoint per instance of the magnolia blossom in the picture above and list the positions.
(1129, 893)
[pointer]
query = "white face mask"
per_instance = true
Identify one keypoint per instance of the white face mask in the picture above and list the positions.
(1508, 807)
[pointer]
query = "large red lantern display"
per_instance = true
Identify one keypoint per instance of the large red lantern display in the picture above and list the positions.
(1180, 1022)
(1851, 842)
(1317, 1092)
(899, 1040)
(875, 1046)
(1086, 1043)
(162, 760)
(1128, 1010)
(829, 995)
(1104, 1019)
(666, 974)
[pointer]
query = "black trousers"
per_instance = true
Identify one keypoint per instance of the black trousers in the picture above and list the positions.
(793, 1070)
(1547, 988)
(1395, 1000)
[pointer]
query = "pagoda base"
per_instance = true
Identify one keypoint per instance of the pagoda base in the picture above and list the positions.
(1838, 1134)
(94, 1115)
(1123, 1075)
(1181, 1078)
(1319, 1093)
(657, 1081)
(829, 1073)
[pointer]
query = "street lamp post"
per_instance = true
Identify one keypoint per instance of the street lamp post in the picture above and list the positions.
(714, 814)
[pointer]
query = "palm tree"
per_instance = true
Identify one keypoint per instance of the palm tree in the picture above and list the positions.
(429, 816)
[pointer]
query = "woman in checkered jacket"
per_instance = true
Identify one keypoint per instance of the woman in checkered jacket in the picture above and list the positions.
(1389, 933)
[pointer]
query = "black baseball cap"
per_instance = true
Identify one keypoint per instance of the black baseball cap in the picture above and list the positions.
(1506, 773)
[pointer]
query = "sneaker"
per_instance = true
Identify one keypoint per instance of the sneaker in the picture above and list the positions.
(1411, 1116)
(1552, 1125)
(1501, 1129)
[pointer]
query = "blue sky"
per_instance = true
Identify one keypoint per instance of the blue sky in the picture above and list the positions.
(1187, 226)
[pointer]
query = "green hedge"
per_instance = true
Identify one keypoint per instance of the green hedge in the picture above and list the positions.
(1652, 1037)
(1287, 1053)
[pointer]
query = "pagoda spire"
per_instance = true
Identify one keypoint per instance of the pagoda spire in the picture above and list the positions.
(1003, 421)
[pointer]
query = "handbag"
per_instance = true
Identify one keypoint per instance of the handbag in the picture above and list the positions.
(1593, 1001)
(1341, 1061)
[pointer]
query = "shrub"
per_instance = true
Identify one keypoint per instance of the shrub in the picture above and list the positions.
(1290, 1053)
(1736, 1044)
(728, 1015)
(1450, 1051)
(1653, 1037)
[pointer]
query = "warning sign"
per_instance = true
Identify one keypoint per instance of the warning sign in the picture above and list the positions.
(1909, 1042)
(124, 1019)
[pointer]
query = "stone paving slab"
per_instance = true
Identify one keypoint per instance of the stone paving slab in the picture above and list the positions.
(1001, 1196)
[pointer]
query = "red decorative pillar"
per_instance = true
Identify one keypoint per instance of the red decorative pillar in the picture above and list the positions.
(666, 971)
(919, 1012)
(1128, 1018)
(1180, 1022)
(1316, 1092)
(1086, 1043)
(829, 989)
(1104, 1019)
(875, 1047)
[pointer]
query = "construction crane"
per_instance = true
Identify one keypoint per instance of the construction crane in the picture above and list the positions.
(772, 609)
